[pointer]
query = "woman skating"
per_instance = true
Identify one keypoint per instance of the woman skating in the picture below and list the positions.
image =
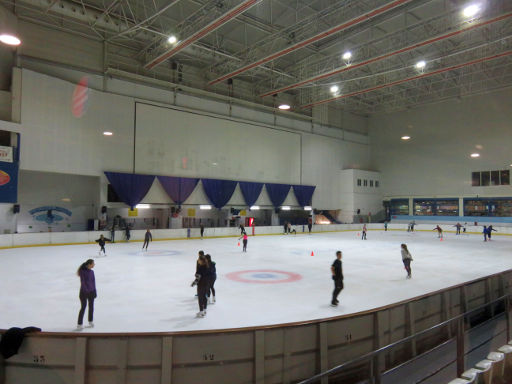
(203, 284)
(406, 259)
(87, 292)
(213, 277)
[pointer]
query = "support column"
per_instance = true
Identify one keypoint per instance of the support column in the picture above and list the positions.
(259, 357)
(166, 376)
(122, 360)
(80, 360)
(324, 350)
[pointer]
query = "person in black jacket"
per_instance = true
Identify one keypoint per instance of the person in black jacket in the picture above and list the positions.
(101, 242)
(203, 283)
(213, 277)
(337, 276)
(147, 238)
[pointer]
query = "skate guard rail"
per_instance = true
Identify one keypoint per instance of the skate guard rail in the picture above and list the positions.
(375, 374)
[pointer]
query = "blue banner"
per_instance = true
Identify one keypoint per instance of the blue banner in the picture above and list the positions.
(8, 182)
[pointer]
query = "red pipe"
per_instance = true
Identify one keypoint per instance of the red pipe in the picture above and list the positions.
(313, 39)
(408, 79)
(378, 58)
(201, 33)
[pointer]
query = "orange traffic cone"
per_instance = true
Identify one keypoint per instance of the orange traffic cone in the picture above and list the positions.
(312, 253)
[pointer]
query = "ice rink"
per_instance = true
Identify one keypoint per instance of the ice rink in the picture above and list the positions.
(276, 281)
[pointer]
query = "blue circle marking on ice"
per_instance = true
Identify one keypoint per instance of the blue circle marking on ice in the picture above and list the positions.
(264, 275)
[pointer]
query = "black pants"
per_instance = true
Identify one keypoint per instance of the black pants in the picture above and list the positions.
(309, 227)
(202, 291)
(146, 243)
(245, 246)
(202, 231)
(212, 283)
(338, 286)
(112, 236)
(364, 236)
(407, 265)
(102, 248)
(84, 299)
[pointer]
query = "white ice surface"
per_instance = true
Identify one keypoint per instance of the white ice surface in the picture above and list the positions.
(149, 292)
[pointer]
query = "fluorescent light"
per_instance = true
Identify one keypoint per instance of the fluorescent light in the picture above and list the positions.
(285, 208)
(284, 107)
(10, 39)
(475, 155)
(143, 206)
(421, 64)
(471, 10)
(254, 208)
(405, 137)
(308, 208)
(66, 199)
(172, 39)
(347, 55)
(205, 207)
(108, 133)
(334, 89)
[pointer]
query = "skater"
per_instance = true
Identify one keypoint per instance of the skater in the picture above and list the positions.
(464, 228)
(113, 233)
(244, 249)
(413, 223)
(485, 232)
(289, 227)
(310, 223)
(285, 227)
(406, 259)
(127, 232)
(101, 242)
(147, 238)
(213, 277)
(489, 231)
(87, 292)
(337, 276)
(201, 228)
(242, 229)
(458, 226)
(385, 226)
(203, 283)
(363, 235)
(439, 231)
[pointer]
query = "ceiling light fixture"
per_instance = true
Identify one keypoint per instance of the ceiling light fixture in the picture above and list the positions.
(205, 207)
(143, 206)
(172, 39)
(334, 89)
(421, 64)
(405, 137)
(254, 207)
(347, 55)
(107, 133)
(475, 155)
(10, 40)
(471, 10)
(284, 107)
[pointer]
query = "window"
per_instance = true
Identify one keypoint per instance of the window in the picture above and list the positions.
(447, 207)
(475, 208)
(505, 177)
(486, 178)
(376, 183)
(399, 207)
(366, 183)
(424, 207)
(358, 182)
(371, 183)
(495, 177)
(475, 179)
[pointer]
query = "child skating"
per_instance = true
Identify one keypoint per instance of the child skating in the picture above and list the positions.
(147, 238)
(101, 242)
(406, 259)
(439, 231)
(245, 238)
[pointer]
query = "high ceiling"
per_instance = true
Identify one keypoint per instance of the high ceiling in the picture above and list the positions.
(273, 51)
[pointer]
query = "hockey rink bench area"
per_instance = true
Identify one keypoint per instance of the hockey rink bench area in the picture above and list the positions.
(282, 353)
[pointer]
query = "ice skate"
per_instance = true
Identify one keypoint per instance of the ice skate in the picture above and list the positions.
(213, 299)
(334, 304)
(199, 314)
(91, 324)
(79, 327)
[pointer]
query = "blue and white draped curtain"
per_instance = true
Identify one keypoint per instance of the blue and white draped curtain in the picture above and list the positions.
(277, 193)
(178, 188)
(250, 191)
(219, 191)
(130, 187)
(304, 194)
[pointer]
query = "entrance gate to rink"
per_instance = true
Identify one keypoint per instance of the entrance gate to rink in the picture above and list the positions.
(429, 339)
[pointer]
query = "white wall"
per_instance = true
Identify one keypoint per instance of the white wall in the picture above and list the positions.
(436, 162)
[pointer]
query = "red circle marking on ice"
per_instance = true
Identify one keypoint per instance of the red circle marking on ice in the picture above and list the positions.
(4, 178)
(238, 276)
(80, 97)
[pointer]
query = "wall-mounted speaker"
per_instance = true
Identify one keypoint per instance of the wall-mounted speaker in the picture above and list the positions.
(16, 208)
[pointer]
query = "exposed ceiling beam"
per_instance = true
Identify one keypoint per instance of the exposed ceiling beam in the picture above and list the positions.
(451, 68)
(385, 56)
(232, 13)
(313, 39)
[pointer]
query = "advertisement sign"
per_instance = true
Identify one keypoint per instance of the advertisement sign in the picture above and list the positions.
(6, 154)
(8, 182)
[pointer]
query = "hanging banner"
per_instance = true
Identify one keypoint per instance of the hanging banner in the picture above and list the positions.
(8, 182)
(6, 154)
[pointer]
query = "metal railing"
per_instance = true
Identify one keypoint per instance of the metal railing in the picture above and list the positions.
(375, 374)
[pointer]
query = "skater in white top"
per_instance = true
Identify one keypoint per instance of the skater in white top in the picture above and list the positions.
(363, 236)
(406, 259)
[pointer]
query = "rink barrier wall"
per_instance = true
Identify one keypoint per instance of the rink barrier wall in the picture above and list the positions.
(281, 353)
(89, 237)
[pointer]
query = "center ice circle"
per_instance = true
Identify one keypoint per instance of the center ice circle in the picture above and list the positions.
(264, 276)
